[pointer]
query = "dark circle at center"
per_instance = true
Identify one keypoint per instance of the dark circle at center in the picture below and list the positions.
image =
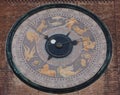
(59, 46)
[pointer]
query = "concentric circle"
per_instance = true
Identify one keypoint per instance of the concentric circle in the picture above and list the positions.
(59, 48)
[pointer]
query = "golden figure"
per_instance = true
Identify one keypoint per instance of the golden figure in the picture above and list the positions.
(29, 53)
(87, 43)
(67, 71)
(83, 62)
(57, 17)
(35, 62)
(56, 23)
(71, 22)
(46, 71)
(87, 56)
(79, 30)
(31, 36)
(41, 26)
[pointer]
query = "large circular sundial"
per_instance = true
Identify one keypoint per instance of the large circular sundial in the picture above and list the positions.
(58, 48)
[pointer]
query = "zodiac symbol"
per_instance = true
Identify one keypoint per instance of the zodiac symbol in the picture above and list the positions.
(29, 53)
(87, 43)
(71, 22)
(83, 62)
(36, 62)
(87, 56)
(31, 36)
(79, 30)
(67, 71)
(55, 23)
(46, 71)
(41, 26)
(57, 18)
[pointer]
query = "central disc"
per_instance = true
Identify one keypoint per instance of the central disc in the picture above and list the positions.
(59, 46)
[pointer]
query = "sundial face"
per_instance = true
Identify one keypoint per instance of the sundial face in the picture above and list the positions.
(58, 47)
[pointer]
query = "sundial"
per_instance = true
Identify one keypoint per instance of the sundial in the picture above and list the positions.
(58, 48)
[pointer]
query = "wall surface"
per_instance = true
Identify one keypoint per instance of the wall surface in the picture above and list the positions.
(109, 13)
